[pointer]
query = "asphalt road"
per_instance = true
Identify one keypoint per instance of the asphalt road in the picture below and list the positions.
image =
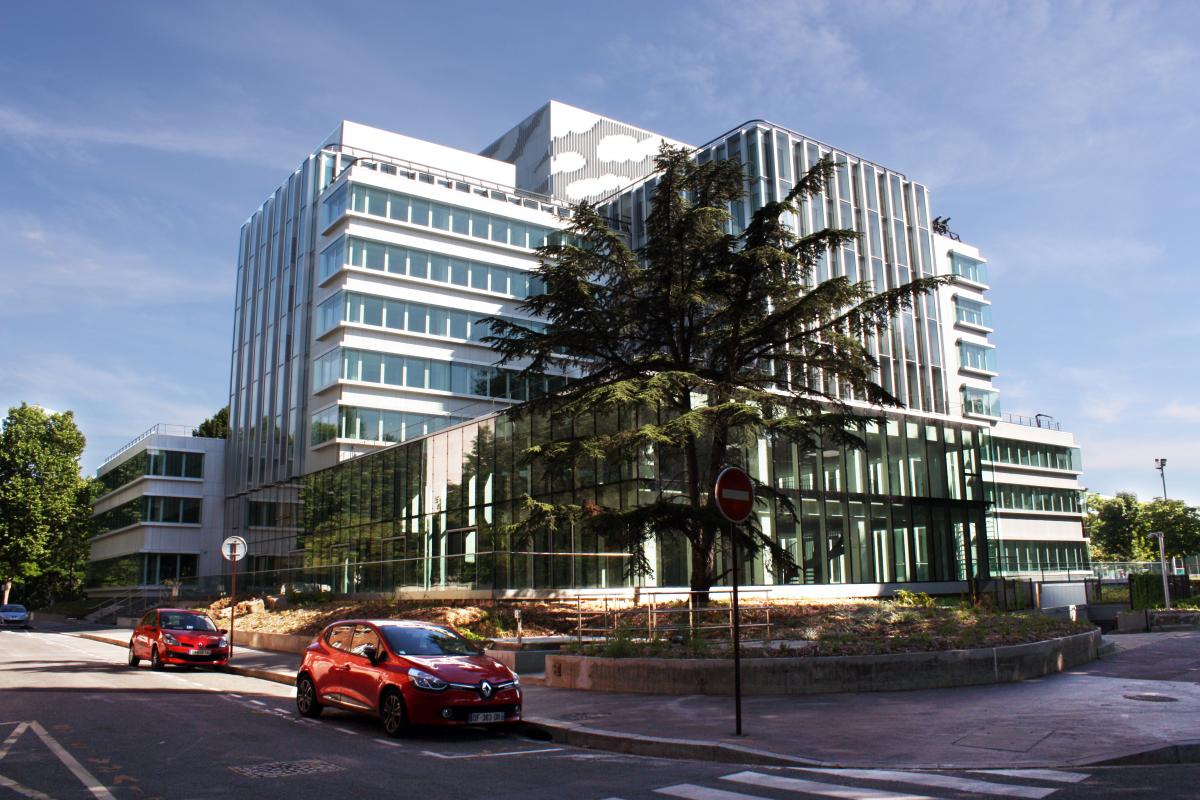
(76, 722)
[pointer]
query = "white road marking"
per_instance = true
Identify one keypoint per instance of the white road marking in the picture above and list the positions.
(347, 730)
(389, 743)
(12, 739)
(86, 778)
(942, 782)
(1038, 774)
(817, 788)
(24, 791)
(490, 755)
(258, 702)
(690, 791)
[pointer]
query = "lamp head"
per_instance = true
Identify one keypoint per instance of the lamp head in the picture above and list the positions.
(1159, 463)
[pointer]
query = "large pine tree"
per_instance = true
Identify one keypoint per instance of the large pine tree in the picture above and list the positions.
(710, 339)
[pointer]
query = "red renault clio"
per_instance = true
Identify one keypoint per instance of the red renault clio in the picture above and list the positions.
(406, 673)
(178, 636)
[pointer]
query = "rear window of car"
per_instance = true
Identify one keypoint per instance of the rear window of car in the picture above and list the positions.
(427, 641)
(178, 621)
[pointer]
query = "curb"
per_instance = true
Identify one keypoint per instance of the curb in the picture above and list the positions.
(249, 672)
(659, 747)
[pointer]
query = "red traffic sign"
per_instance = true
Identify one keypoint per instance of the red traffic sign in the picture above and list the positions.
(734, 494)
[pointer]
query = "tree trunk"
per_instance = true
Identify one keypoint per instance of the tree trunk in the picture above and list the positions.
(7, 588)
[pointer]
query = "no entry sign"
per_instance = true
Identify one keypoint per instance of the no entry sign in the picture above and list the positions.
(734, 494)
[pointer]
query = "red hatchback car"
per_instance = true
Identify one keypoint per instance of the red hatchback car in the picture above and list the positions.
(178, 636)
(406, 673)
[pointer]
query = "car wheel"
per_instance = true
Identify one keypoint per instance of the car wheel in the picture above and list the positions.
(156, 661)
(306, 698)
(133, 659)
(393, 715)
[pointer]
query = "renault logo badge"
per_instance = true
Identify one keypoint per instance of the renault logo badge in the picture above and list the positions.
(485, 689)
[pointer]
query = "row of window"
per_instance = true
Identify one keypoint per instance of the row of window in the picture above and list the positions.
(972, 269)
(366, 309)
(428, 266)
(162, 463)
(140, 569)
(425, 373)
(1033, 498)
(985, 402)
(972, 312)
(977, 356)
(374, 425)
(430, 214)
(148, 508)
(1031, 454)
(1020, 556)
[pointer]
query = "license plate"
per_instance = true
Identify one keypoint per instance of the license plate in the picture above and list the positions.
(200, 652)
(485, 716)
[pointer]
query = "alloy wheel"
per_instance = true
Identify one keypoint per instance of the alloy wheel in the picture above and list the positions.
(395, 722)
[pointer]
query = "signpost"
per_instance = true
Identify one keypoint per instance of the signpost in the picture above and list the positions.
(733, 494)
(234, 550)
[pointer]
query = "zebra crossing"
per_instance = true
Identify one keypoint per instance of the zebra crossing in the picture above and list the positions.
(856, 784)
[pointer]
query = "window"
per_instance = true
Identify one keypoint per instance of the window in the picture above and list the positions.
(972, 269)
(972, 312)
(334, 206)
(983, 402)
(333, 258)
(977, 356)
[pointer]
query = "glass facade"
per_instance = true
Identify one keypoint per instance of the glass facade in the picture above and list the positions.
(972, 312)
(978, 357)
(158, 463)
(381, 312)
(451, 219)
(1015, 557)
(150, 509)
(1033, 454)
(433, 513)
(984, 402)
(891, 214)
(1034, 498)
(140, 569)
(375, 425)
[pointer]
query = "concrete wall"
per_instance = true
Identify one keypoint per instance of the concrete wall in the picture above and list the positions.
(821, 675)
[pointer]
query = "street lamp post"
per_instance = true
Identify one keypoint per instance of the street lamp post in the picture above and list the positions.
(1160, 464)
(1162, 560)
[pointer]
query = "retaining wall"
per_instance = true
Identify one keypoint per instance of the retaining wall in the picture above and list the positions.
(824, 674)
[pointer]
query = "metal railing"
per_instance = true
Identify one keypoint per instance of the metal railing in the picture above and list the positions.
(654, 615)
(1038, 421)
(161, 428)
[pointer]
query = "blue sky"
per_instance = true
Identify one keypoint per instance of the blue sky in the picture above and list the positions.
(1060, 137)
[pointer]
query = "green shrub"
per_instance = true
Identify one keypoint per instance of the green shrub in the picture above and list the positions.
(1146, 591)
(913, 599)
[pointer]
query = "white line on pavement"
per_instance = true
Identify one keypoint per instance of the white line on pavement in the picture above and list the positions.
(1038, 774)
(258, 702)
(24, 791)
(817, 788)
(12, 738)
(941, 782)
(491, 755)
(86, 778)
(347, 730)
(389, 743)
(690, 791)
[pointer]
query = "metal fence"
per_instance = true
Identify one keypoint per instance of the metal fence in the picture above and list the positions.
(671, 615)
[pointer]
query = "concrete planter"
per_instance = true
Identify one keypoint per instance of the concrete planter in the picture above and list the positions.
(279, 642)
(824, 675)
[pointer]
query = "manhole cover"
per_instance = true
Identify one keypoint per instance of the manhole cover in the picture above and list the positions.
(282, 769)
(581, 716)
(1152, 698)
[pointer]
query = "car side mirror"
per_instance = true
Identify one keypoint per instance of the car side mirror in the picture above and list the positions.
(372, 654)
(224, 631)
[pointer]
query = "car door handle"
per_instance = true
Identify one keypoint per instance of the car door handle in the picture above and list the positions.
(343, 668)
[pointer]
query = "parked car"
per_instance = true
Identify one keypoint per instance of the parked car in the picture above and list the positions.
(15, 615)
(407, 673)
(178, 636)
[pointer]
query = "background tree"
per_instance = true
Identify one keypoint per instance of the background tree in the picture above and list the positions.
(215, 427)
(44, 501)
(1113, 526)
(1178, 521)
(708, 340)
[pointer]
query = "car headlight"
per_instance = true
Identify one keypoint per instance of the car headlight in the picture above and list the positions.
(424, 680)
(516, 679)
(222, 642)
(171, 640)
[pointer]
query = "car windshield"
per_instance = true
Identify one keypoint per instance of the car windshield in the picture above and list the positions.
(421, 641)
(183, 621)
(12, 608)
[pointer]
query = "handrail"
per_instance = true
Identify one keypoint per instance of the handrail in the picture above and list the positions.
(161, 428)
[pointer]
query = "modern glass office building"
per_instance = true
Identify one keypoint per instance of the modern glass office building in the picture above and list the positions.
(370, 448)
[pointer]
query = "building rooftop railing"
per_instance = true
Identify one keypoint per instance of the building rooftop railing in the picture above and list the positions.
(466, 183)
(161, 428)
(1037, 421)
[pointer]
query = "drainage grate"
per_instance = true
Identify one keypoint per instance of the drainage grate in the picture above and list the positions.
(282, 769)
(1152, 698)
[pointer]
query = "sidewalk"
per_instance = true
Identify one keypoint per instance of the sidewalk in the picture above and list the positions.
(1140, 704)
